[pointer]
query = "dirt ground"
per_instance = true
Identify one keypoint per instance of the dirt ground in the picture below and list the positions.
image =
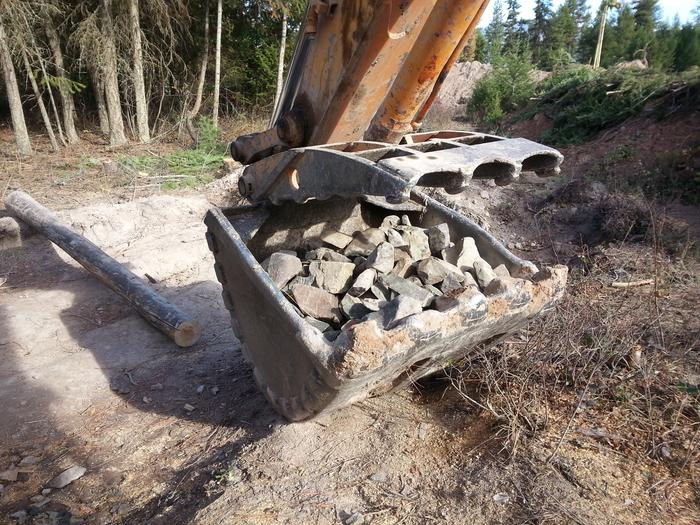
(179, 436)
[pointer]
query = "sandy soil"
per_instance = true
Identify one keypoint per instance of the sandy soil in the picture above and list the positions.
(86, 382)
(173, 436)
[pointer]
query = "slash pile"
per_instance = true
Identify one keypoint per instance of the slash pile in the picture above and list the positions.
(386, 273)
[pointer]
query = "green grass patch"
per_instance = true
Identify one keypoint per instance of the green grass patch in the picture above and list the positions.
(188, 168)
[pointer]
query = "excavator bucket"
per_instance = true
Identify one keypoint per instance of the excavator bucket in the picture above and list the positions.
(343, 278)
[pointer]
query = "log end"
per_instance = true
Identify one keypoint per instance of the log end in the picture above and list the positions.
(10, 233)
(187, 333)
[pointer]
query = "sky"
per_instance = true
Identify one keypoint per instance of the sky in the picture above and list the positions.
(669, 9)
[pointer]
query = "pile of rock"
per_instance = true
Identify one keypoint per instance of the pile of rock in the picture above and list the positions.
(386, 273)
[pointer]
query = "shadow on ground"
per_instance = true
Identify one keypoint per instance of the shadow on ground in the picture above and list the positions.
(59, 398)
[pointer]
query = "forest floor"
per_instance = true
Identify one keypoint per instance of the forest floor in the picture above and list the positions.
(589, 415)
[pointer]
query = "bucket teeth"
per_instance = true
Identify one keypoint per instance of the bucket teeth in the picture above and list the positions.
(449, 160)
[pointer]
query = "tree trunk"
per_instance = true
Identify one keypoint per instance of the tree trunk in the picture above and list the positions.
(203, 69)
(601, 35)
(139, 84)
(67, 102)
(40, 102)
(24, 147)
(102, 113)
(51, 98)
(202, 78)
(217, 73)
(117, 136)
(280, 64)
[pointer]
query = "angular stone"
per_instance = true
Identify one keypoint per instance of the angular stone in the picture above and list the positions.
(470, 282)
(484, 273)
(359, 261)
(468, 254)
(498, 286)
(451, 285)
(326, 254)
(363, 282)
(334, 277)
(301, 279)
(337, 239)
(501, 271)
(400, 308)
(445, 302)
(382, 258)
(407, 288)
(331, 335)
(373, 235)
(372, 304)
(381, 292)
(433, 270)
(321, 326)
(365, 242)
(418, 243)
(353, 308)
(403, 266)
(395, 238)
(317, 303)
(462, 254)
(9, 474)
(430, 271)
(438, 237)
(390, 221)
(405, 220)
(282, 267)
(435, 291)
(67, 477)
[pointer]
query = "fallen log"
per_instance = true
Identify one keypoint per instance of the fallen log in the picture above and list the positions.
(10, 234)
(151, 305)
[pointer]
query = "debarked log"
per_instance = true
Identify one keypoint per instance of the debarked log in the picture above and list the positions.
(152, 306)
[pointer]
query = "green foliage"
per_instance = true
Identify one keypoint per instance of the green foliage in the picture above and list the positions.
(508, 87)
(251, 47)
(688, 48)
(64, 85)
(209, 137)
(583, 101)
(605, 99)
(481, 47)
(562, 36)
(515, 34)
(538, 28)
(190, 168)
(495, 33)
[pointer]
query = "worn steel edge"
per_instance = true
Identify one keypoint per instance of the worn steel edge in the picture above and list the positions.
(447, 159)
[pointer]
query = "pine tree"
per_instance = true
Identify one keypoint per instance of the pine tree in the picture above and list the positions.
(646, 18)
(495, 33)
(513, 27)
(539, 28)
(561, 38)
(688, 48)
(480, 47)
(619, 40)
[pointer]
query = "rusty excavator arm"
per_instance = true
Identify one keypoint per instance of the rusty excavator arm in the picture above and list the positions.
(343, 158)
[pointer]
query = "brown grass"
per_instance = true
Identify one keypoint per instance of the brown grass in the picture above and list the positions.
(618, 365)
